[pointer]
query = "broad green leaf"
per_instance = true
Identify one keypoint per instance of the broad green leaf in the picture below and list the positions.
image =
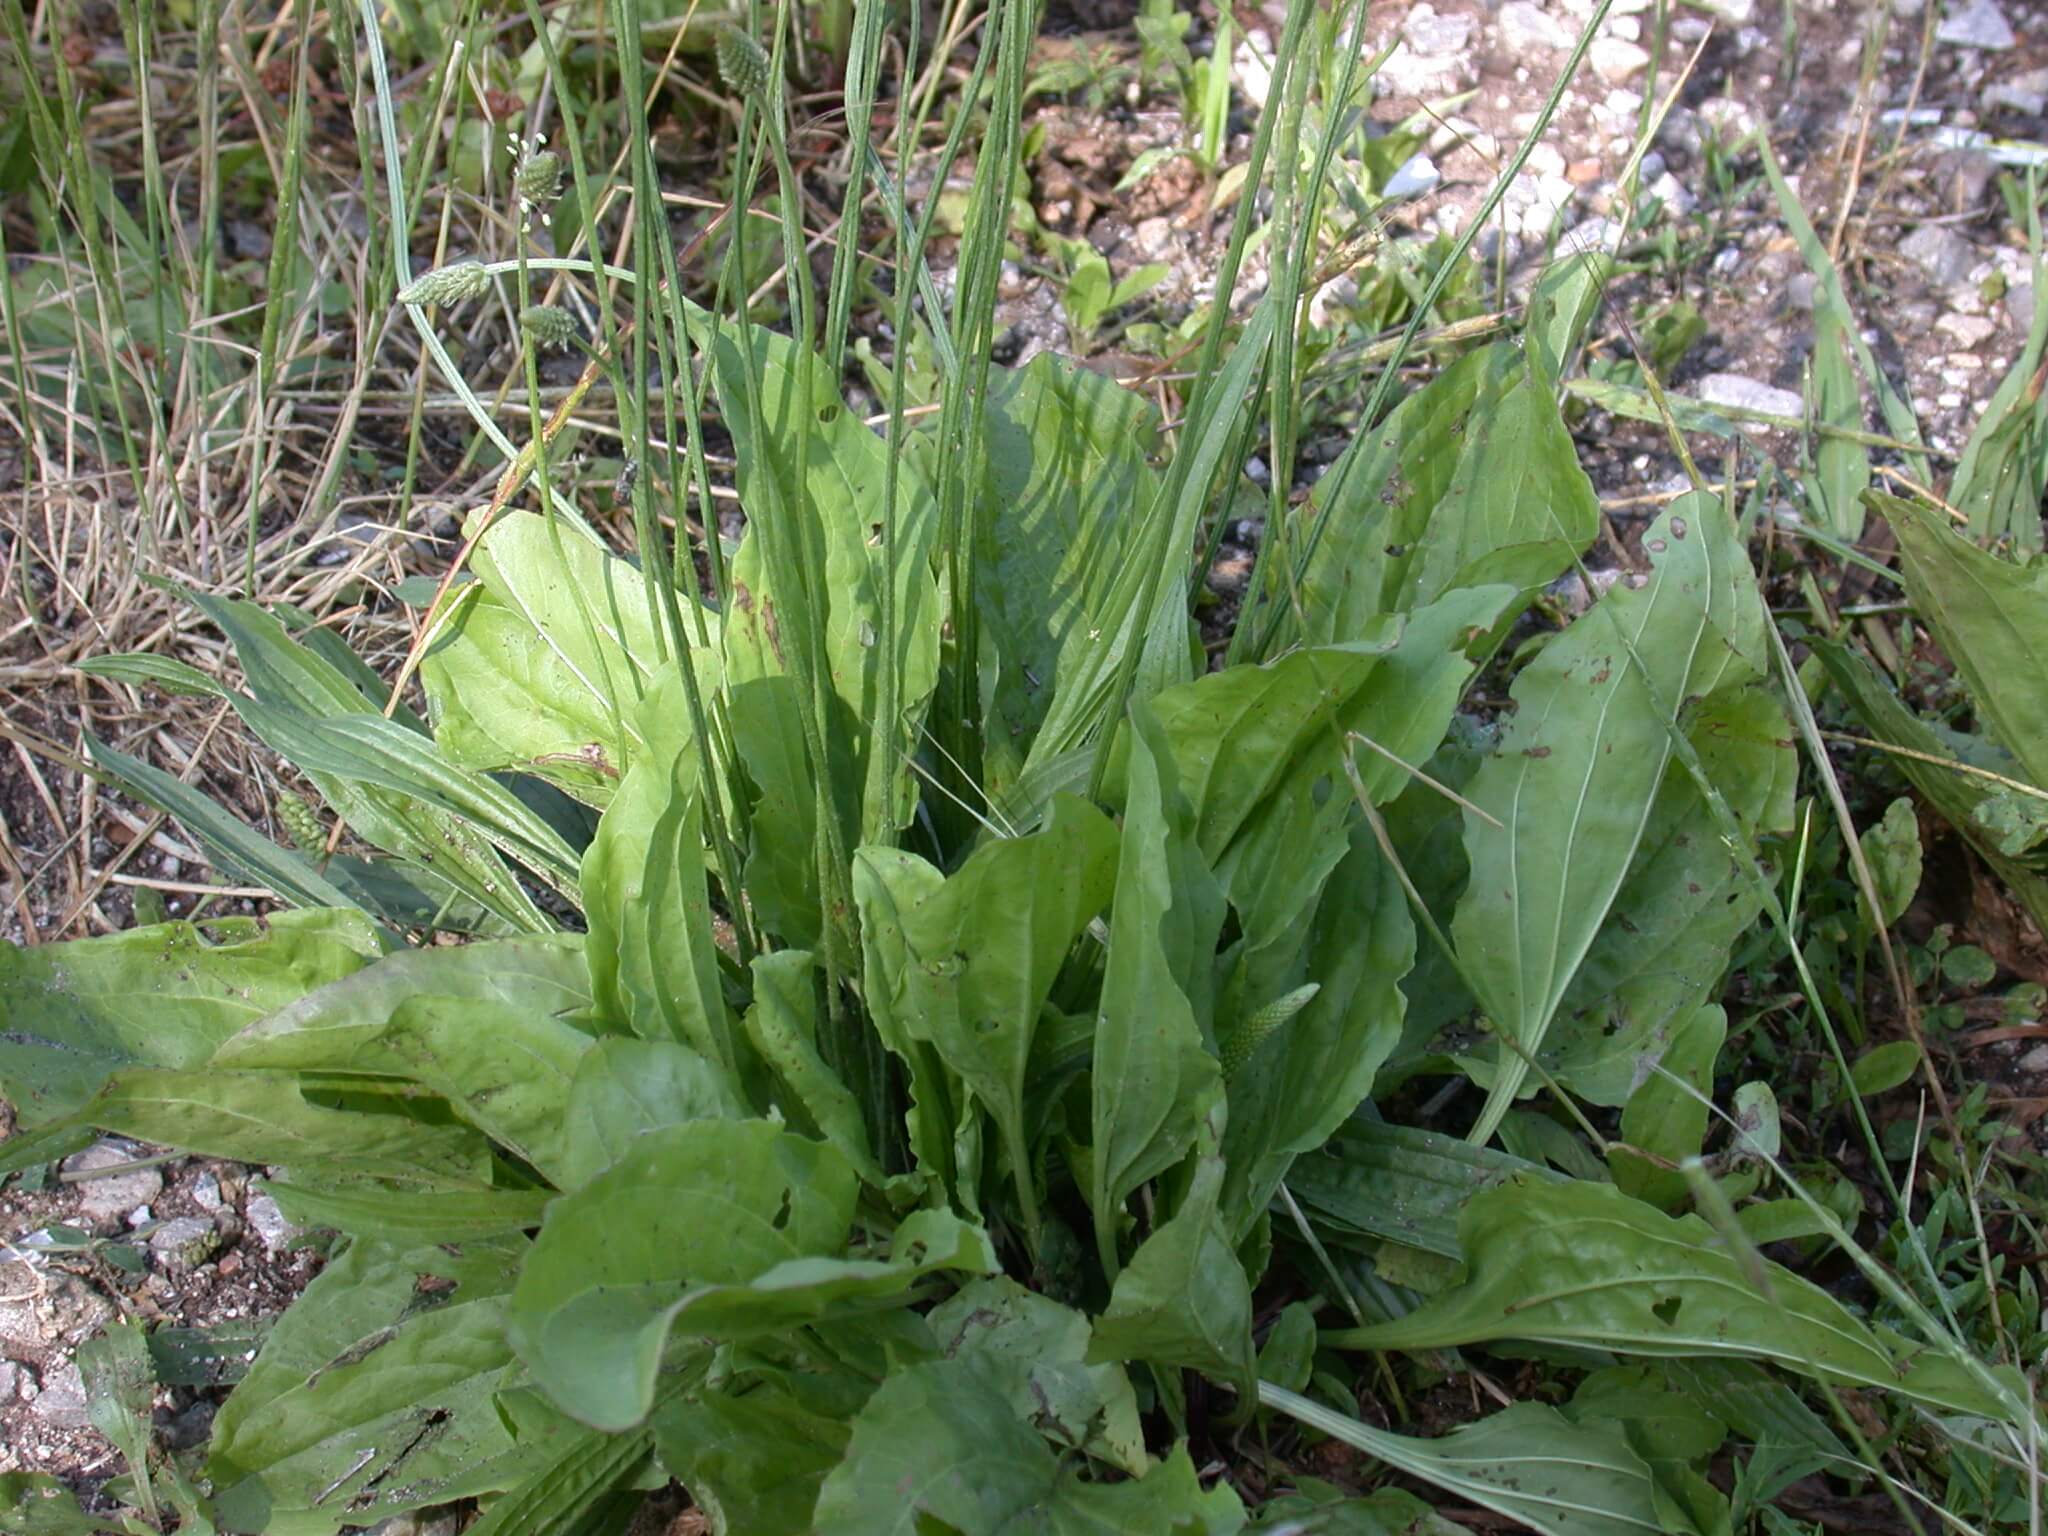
(1991, 618)
(1671, 1424)
(325, 1026)
(373, 1394)
(411, 1215)
(1471, 481)
(1580, 1263)
(1321, 1509)
(504, 1067)
(36, 1504)
(159, 996)
(783, 1026)
(1561, 307)
(1403, 1185)
(1688, 898)
(1242, 736)
(707, 1202)
(1304, 1081)
(1527, 1462)
(939, 1447)
(1884, 1067)
(653, 962)
(1067, 480)
(1184, 1299)
(576, 1486)
(625, 1088)
(1672, 1433)
(753, 1463)
(781, 874)
(1041, 1349)
(1573, 781)
(1668, 1119)
(718, 1228)
(984, 947)
(542, 669)
(505, 1071)
(215, 1356)
(829, 470)
(265, 1117)
(120, 1395)
(1960, 797)
(1154, 1079)
(1892, 850)
(887, 884)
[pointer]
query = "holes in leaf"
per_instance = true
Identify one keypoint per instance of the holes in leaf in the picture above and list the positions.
(1667, 1310)
(782, 1211)
(827, 414)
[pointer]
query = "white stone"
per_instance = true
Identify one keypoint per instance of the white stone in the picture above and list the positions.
(1416, 175)
(1940, 252)
(179, 1238)
(2026, 94)
(1968, 330)
(1248, 66)
(268, 1222)
(1674, 194)
(1545, 159)
(1737, 12)
(1746, 394)
(1975, 24)
(1730, 118)
(61, 1403)
(1616, 60)
(1408, 73)
(1430, 33)
(1524, 25)
(111, 1198)
(1593, 235)
(206, 1192)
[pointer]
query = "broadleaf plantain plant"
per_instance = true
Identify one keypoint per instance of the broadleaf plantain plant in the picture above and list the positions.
(973, 999)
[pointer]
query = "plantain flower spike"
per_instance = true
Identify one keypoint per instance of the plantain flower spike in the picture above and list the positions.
(538, 181)
(547, 325)
(448, 285)
(301, 821)
(742, 62)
